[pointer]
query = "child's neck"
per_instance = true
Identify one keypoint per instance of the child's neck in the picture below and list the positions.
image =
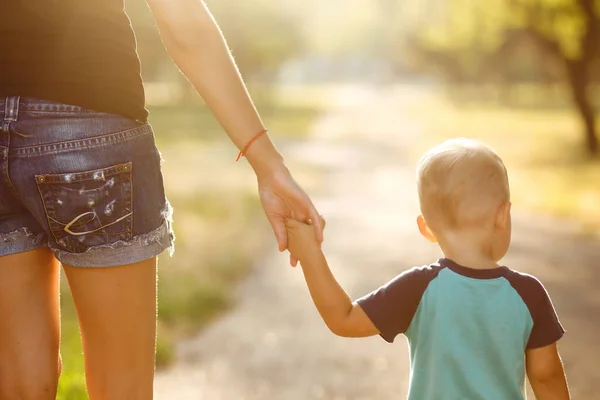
(468, 253)
(472, 248)
(470, 260)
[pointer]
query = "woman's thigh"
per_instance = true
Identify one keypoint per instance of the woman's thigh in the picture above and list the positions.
(117, 316)
(29, 325)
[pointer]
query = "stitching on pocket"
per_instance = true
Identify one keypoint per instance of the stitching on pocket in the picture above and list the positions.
(102, 198)
(71, 224)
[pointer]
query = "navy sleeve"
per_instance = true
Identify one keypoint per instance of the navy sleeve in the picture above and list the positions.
(547, 328)
(391, 307)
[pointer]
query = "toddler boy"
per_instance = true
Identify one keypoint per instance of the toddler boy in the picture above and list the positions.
(474, 327)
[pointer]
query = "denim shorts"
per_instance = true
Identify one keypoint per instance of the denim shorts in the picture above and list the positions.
(86, 184)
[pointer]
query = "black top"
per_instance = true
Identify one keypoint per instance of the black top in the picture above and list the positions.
(78, 52)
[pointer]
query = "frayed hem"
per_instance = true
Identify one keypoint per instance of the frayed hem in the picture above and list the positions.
(157, 236)
(140, 248)
(20, 234)
(167, 214)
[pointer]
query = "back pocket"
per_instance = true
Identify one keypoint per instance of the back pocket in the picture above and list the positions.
(88, 209)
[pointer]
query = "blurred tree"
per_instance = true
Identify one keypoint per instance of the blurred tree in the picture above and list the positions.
(568, 31)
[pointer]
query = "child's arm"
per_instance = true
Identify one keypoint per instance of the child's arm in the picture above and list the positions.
(546, 374)
(340, 314)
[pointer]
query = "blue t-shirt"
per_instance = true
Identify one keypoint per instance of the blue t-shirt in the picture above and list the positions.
(468, 329)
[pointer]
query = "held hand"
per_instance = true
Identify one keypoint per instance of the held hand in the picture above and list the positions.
(301, 238)
(282, 198)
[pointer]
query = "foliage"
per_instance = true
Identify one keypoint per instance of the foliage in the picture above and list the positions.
(478, 38)
(483, 25)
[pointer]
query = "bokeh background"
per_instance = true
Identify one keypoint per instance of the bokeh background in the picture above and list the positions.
(353, 91)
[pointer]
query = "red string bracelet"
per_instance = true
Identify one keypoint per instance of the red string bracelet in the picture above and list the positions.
(243, 152)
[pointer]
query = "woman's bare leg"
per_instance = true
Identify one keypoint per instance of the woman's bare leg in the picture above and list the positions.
(29, 326)
(116, 307)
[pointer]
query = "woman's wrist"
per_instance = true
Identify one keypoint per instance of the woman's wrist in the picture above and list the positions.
(264, 158)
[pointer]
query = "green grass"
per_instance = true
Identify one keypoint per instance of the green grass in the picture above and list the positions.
(72, 381)
(219, 235)
(543, 150)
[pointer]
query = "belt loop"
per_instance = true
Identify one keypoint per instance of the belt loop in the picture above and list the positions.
(11, 108)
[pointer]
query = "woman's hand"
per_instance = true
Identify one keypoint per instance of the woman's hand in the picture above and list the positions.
(302, 243)
(282, 198)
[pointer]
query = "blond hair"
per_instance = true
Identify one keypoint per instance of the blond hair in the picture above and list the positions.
(460, 182)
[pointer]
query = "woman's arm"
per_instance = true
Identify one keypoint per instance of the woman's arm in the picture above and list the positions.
(196, 44)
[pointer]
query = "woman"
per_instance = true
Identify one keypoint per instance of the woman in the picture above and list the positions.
(80, 184)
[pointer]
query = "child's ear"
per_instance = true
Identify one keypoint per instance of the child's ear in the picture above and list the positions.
(503, 215)
(424, 229)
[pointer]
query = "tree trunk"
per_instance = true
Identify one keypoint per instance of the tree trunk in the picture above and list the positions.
(578, 74)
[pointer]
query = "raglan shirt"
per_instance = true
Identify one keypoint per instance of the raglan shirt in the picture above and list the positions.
(467, 329)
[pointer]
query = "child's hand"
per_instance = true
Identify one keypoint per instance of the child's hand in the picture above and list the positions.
(301, 238)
